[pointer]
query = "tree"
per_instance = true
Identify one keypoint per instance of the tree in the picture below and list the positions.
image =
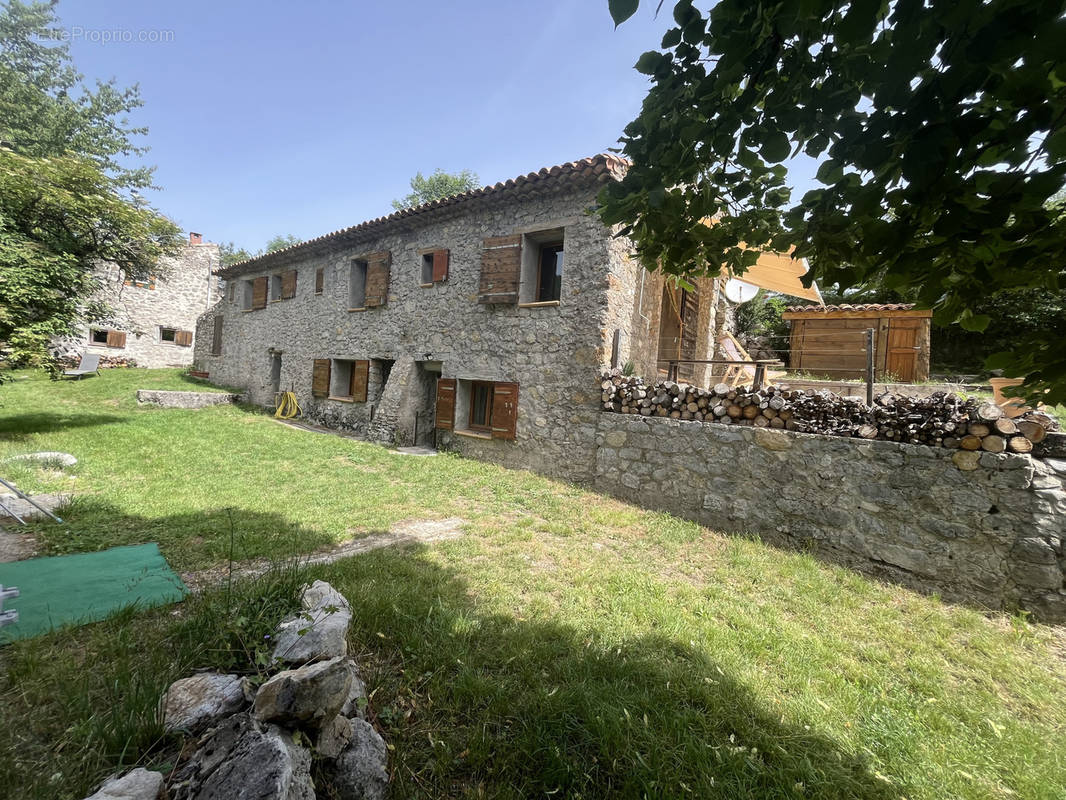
(45, 107)
(230, 254)
(940, 127)
(437, 186)
(281, 241)
(58, 217)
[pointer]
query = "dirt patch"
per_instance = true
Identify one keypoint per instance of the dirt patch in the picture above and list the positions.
(417, 531)
(16, 546)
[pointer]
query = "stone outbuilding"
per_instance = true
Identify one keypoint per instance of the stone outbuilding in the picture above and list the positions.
(152, 323)
(477, 323)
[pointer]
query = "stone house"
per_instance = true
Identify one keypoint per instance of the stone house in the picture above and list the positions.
(477, 323)
(152, 323)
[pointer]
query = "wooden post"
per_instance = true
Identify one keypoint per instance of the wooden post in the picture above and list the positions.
(760, 376)
(870, 366)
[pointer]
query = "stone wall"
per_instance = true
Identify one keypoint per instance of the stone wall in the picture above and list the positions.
(178, 295)
(439, 329)
(167, 399)
(992, 535)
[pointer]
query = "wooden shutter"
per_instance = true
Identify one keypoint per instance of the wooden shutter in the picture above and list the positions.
(446, 403)
(288, 284)
(320, 378)
(183, 338)
(116, 339)
(440, 265)
(377, 278)
(501, 267)
(504, 410)
(320, 280)
(360, 378)
(260, 287)
(690, 309)
(216, 337)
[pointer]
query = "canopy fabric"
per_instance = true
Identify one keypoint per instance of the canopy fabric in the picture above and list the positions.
(781, 273)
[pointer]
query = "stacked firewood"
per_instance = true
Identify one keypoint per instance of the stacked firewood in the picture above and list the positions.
(940, 420)
(71, 361)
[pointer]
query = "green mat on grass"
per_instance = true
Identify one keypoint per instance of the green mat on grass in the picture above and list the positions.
(76, 589)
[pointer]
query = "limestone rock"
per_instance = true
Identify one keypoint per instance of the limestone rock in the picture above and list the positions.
(193, 704)
(966, 460)
(356, 703)
(46, 457)
(244, 759)
(334, 737)
(360, 772)
(319, 631)
(311, 695)
(138, 784)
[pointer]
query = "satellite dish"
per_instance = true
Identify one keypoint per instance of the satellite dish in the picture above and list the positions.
(739, 291)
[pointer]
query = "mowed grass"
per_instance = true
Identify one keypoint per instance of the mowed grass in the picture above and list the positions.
(568, 645)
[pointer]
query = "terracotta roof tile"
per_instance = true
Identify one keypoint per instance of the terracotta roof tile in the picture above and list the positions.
(857, 307)
(595, 169)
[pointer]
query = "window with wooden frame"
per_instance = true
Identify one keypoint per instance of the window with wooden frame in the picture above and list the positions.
(288, 284)
(254, 296)
(320, 280)
(167, 335)
(107, 338)
(481, 408)
(349, 380)
(275, 287)
(542, 268)
(357, 285)
(434, 266)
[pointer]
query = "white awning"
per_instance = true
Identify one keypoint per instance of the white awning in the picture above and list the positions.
(780, 273)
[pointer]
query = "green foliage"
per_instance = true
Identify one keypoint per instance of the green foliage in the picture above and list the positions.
(229, 254)
(58, 217)
(281, 241)
(940, 131)
(761, 316)
(437, 186)
(47, 110)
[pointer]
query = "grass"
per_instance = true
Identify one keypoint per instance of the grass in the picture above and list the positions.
(568, 645)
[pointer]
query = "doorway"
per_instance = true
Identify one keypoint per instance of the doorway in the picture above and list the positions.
(275, 375)
(425, 394)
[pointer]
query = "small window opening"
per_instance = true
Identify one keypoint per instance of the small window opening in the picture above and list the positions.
(275, 287)
(480, 406)
(550, 274)
(168, 334)
(357, 284)
(427, 268)
(97, 336)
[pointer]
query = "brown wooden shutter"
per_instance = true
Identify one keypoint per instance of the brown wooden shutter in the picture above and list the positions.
(320, 378)
(183, 338)
(288, 284)
(320, 280)
(377, 278)
(260, 287)
(501, 267)
(440, 265)
(116, 339)
(216, 337)
(446, 403)
(504, 410)
(360, 378)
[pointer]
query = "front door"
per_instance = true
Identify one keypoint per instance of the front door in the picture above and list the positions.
(901, 356)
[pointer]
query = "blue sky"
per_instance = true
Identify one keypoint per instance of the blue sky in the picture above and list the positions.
(270, 118)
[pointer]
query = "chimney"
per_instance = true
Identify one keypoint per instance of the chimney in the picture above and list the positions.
(196, 238)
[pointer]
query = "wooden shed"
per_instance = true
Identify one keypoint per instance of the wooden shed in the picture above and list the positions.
(831, 340)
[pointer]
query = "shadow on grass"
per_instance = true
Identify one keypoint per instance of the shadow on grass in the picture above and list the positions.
(23, 425)
(492, 704)
(475, 702)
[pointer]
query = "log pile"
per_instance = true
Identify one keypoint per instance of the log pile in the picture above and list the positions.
(70, 361)
(941, 420)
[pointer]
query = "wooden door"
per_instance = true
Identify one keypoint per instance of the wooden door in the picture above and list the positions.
(669, 328)
(901, 351)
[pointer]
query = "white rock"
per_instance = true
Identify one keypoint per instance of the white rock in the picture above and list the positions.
(319, 631)
(192, 704)
(139, 784)
(311, 695)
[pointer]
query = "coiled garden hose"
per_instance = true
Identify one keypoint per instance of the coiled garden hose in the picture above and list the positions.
(288, 407)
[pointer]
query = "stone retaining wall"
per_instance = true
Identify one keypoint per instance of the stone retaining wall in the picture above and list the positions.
(991, 534)
(184, 399)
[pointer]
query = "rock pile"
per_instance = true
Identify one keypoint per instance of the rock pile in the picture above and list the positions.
(941, 420)
(262, 743)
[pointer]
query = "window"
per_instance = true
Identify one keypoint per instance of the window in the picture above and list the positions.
(230, 289)
(288, 284)
(216, 337)
(168, 334)
(275, 287)
(349, 380)
(254, 295)
(320, 280)
(434, 266)
(481, 408)
(542, 267)
(550, 277)
(357, 285)
(107, 338)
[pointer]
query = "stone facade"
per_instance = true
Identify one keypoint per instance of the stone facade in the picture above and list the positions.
(991, 535)
(145, 319)
(425, 330)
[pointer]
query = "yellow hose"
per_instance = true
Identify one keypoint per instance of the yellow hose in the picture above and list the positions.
(288, 407)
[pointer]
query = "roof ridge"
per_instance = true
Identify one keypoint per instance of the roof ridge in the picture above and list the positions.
(602, 166)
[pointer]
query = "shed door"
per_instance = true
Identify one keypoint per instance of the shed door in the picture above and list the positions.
(902, 349)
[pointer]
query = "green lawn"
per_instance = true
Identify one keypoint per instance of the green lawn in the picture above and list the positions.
(568, 645)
